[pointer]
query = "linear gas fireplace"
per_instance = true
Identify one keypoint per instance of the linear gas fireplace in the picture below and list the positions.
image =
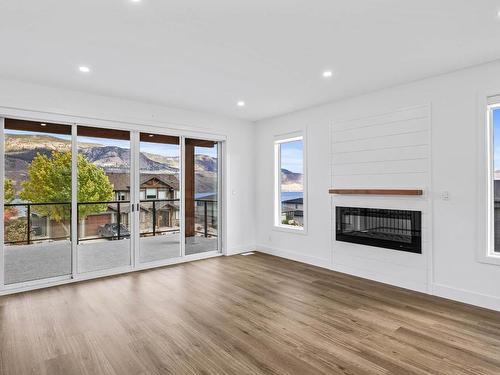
(390, 229)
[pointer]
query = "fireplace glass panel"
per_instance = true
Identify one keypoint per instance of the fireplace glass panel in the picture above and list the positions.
(391, 229)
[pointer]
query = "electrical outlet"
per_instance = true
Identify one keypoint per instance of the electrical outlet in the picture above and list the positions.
(445, 195)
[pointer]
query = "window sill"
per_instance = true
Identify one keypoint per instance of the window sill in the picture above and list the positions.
(290, 229)
(490, 259)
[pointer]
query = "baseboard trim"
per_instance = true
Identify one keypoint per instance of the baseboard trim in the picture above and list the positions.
(439, 290)
(466, 296)
(282, 253)
(240, 249)
(381, 278)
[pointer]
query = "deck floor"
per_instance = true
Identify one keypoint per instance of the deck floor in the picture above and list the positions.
(52, 259)
(253, 314)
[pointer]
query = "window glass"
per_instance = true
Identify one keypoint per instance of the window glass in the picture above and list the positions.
(104, 219)
(151, 193)
(202, 196)
(159, 225)
(290, 187)
(37, 204)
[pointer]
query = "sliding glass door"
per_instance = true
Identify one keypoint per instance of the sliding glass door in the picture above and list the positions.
(37, 201)
(202, 187)
(82, 201)
(104, 200)
(159, 197)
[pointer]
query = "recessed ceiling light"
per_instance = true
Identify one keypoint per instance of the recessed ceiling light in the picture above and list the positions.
(240, 103)
(136, 1)
(84, 69)
(327, 73)
(42, 124)
(151, 136)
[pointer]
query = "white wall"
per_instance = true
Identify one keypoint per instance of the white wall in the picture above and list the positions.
(16, 97)
(386, 151)
(453, 268)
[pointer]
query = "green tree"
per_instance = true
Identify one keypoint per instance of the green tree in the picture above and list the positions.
(15, 228)
(8, 189)
(49, 181)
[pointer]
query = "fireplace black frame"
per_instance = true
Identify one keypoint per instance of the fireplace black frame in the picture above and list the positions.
(379, 227)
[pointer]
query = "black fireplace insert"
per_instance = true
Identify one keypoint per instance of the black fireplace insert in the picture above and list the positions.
(390, 229)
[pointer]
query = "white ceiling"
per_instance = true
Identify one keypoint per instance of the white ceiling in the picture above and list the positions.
(208, 54)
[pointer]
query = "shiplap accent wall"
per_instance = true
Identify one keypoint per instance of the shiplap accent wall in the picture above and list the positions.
(390, 150)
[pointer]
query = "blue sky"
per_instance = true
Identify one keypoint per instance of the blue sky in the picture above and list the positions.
(160, 149)
(210, 151)
(292, 156)
(105, 141)
(496, 138)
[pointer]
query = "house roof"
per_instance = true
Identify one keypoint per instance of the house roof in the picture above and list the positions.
(294, 201)
(169, 180)
(121, 181)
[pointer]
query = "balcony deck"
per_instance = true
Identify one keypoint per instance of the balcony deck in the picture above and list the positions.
(51, 259)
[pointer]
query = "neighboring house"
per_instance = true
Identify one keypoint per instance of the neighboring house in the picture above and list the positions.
(206, 213)
(293, 210)
(157, 195)
(159, 204)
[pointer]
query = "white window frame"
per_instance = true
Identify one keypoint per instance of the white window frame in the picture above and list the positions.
(278, 141)
(486, 213)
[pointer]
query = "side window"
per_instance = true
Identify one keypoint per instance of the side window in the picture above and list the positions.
(290, 207)
(494, 165)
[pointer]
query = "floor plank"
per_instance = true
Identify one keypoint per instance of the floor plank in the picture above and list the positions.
(243, 315)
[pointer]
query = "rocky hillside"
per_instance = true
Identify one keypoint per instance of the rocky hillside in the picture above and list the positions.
(19, 142)
(291, 181)
(21, 149)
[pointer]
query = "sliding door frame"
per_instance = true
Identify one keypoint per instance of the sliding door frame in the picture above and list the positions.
(136, 228)
(182, 218)
(135, 193)
(2, 179)
(74, 200)
(31, 284)
(76, 275)
(135, 128)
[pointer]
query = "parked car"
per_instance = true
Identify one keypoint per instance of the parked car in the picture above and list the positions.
(110, 231)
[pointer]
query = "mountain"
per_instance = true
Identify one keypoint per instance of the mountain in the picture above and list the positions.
(24, 142)
(172, 161)
(22, 148)
(109, 158)
(291, 181)
(205, 163)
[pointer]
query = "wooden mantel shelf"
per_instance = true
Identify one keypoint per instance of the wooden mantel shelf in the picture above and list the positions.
(377, 191)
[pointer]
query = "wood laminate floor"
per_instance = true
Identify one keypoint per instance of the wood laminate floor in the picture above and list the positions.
(242, 315)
